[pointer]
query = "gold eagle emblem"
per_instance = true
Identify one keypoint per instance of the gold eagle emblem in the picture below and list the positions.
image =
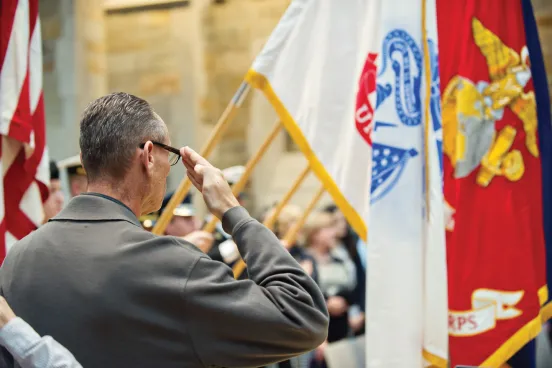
(470, 111)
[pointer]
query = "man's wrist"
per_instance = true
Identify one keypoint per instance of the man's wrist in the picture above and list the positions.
(232, 217)
(4, 320)
(225, 210)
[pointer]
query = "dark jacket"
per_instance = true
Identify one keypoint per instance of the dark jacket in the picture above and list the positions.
(118, 296)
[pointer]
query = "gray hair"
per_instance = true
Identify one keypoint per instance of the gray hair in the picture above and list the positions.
(111, 129)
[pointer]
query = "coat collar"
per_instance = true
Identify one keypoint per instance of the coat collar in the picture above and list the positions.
(96, 207)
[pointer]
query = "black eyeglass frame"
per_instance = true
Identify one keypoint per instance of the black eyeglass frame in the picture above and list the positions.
(176, 151)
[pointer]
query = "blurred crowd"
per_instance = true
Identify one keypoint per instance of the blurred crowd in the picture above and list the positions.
(326, 247)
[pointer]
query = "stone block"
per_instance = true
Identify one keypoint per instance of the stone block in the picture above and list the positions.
(123, 82)
(121, 62)
(137, 31)
(167, 83)
(158, 59)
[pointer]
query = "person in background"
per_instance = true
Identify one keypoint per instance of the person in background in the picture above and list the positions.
(335, 278)
(27, 347)
(183, 221)
(353, 248)
(184, 224)
(289, 215)
(55, 201)
(77, 179)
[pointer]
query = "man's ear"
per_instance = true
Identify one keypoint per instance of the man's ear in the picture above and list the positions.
(146, 157)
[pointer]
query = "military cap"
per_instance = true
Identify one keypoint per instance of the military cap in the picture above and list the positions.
(76, 170)
(72, 165)
(233, 174)
(184, 209)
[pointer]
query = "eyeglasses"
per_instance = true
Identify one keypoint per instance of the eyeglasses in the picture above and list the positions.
(174, 153)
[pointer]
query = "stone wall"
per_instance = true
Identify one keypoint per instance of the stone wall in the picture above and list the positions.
(74, 67)
(230, 29)
(153, 54)
(233, 33)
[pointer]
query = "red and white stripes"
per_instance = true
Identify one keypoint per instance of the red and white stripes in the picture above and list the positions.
(23, 156)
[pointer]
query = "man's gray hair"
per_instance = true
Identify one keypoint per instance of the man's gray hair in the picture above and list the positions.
(111, 129)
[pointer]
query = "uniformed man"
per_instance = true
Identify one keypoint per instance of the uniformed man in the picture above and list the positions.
(56, 199)
(77, 179)
(185, 224)
(184, 220)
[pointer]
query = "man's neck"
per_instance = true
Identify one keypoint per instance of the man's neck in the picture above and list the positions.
(130, 201)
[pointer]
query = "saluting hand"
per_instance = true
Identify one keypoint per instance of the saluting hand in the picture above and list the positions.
(209, 181)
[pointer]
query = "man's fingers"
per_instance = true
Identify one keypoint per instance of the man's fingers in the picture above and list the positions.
(199, 169)
(194, 181)
(193, 157)
(197, 174)
(188, 163)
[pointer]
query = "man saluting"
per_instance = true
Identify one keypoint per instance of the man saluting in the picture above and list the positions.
(116, 295)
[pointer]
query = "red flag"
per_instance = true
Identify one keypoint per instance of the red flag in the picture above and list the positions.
(495, 239)
(23, 158)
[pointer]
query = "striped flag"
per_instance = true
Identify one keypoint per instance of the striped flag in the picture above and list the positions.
(317, 71)
(23, 157)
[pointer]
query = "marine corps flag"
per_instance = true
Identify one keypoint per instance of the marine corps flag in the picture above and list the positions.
(317, 72)
(493, 180)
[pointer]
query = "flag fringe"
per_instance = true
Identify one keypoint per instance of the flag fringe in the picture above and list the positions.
(435, 361)
(518, 340)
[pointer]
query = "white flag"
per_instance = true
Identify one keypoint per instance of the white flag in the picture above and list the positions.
(406, 309)
(316, 71)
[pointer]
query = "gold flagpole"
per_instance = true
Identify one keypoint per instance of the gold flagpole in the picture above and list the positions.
(269, 222)
(291, 234)
(239, 267)
(240, 185)
(185, 185)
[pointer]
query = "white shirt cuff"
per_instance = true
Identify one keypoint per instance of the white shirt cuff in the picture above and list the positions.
(17, 336)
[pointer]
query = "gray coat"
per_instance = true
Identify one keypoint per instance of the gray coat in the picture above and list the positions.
(118, 296)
